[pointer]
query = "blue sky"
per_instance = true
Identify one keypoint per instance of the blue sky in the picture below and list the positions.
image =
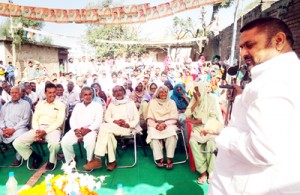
(151, 29)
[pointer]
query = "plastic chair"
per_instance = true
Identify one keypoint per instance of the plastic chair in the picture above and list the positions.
(130, 137)
(2, 152)
(4, 156)
(133, 136)
(127, 137)
(39, 146)
(180, 134)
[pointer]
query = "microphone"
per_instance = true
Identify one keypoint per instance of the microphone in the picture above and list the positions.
(232, 71)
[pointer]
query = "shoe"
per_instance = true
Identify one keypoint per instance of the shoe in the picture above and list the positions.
(111, 166)
(16, 163)
(50, 166)
(36, 162)
(93, 164)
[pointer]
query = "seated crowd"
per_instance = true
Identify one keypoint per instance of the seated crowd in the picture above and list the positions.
(84, 112)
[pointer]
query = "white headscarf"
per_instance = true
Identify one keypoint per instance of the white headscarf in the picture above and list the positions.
(162, 109)
(202, 110)
(125, 100)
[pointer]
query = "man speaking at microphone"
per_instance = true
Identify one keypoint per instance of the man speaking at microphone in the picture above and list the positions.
(258, 152)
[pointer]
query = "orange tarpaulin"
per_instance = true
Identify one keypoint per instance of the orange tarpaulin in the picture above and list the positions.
(117, 15)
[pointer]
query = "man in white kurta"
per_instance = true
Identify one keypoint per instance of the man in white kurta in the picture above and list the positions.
(121, 118)
(259, 150)
(85, 122)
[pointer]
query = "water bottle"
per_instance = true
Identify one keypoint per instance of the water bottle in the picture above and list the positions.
(120, 190)
(11, 185)
(49, 189)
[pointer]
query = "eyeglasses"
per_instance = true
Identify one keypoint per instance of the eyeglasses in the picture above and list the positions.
(153, 88)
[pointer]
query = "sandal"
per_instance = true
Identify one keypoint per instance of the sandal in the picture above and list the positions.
(169, 166)
(202, 179)
(160, 163)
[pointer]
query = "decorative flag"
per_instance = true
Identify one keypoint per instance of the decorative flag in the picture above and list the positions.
(117, 15)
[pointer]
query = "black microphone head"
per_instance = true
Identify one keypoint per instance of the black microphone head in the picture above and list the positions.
(232, 71)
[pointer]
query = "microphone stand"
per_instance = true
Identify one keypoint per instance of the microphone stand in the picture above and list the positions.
(229, 107)
(231, 99)
(244, 81)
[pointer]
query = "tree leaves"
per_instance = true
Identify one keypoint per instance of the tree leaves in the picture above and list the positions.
(115, 33)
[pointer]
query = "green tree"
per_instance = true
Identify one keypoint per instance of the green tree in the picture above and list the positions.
(46, 40)
(184, 28)
(114, 33)
(5, 29)
(20, 36)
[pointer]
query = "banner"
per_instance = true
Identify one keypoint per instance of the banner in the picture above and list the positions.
(15, 10)
(4, 9)
(128, 14)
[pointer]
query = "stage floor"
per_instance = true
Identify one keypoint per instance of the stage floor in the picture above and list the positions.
(145, 178)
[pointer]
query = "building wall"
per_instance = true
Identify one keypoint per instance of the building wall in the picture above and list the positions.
(287, 10)
(47, 56)
(2, 52)
(160, 53)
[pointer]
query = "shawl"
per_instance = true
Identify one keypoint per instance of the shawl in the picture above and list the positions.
(148, 96)
(116, 102)
(160, 109)
(137, 96)
(202, 110)
(208, 111)
(179, 100)
(125, 100)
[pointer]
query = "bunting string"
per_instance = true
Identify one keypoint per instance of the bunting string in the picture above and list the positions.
(128, 14)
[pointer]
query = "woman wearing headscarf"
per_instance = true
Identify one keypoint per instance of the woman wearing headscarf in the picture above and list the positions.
(125, 85)
(182, 101)
(137, 94)
(203, 113)
(170, 86)
(215, 86)
(99, 93)
(188, 80)
(146, 99)
(98, 96)
(144, 108)
(162, 120)
(180, 97)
